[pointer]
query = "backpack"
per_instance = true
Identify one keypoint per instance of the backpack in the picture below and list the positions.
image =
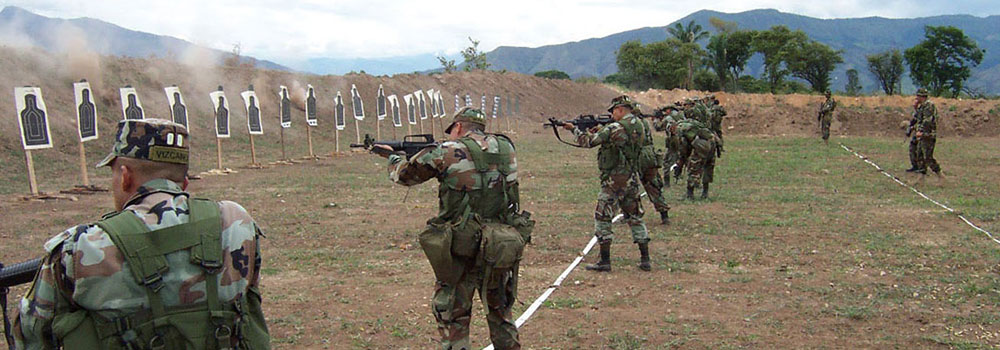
(212, 325)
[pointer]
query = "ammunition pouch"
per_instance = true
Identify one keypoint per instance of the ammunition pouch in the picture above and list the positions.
(436, 241)
(650, 157)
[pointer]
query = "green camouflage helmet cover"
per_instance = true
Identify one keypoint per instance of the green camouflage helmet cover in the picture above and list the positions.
(922, 92)
(154, 140)
(622, 100)
(467, 114)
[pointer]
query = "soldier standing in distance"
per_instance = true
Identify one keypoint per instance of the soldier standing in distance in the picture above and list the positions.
(164, 271)
(926, 133)
(477, 173)
(913, 141)
(825, 115)
(620, 142)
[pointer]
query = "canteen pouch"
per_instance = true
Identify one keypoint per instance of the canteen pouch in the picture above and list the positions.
(436, 241)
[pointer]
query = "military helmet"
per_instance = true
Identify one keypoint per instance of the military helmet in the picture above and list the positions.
(826, 93)
(922, 92)
(155, 140)
(467, 114)
(622, 100)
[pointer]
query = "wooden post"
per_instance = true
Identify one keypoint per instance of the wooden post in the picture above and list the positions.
(358, 129)
(218, 153)
(32, 184)
(378, 129)
(421, 123)
(283, 143)
(83, 165)
(409, 128)
(508, 122)
(336, 138)
(253, 152)
(393, 131)
(309, 136)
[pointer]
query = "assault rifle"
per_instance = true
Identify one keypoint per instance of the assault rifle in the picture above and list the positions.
(583, 122)
(410, 145)
(10, 276)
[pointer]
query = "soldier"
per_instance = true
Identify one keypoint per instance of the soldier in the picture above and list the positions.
(478, 197)
(666, 118)
(697, 151)
(165, 271)
(913, 140)
(926, 133)
(650, 163)
(618, 157)
(825, 115)
(716, 112)
(695, 108)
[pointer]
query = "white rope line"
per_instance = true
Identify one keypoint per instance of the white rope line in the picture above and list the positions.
(901, 183)
(530, 311)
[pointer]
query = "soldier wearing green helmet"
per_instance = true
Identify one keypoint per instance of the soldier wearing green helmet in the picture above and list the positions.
(926, 133)
(164, 271)
(476, 240)
(825, 115)
(620, 145)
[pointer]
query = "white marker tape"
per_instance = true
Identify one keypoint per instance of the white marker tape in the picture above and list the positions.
(901, 183)
(548, 292)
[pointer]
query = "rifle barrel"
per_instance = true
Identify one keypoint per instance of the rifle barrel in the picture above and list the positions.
(19, 273)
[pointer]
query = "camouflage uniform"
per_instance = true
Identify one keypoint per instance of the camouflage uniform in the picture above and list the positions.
(619, 183)
(460, 183)
(697, 152)
(826, 115)
(650, 163)
(87, 281)
(673, 142)
(914, 155)
(717, 112)
(927, 127)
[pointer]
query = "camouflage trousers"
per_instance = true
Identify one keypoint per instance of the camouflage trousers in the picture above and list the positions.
(619, 191)
(452, 307)
(652, 182)
(669, 159)
(824, 125)
(914, 155)
(925, 154)
(701, 163)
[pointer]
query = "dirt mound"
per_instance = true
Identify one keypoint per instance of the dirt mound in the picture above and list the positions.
(855, 116)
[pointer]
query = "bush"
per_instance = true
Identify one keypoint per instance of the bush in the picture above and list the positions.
(553, 74)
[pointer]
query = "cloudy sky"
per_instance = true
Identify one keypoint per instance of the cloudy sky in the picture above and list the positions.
(290, 30)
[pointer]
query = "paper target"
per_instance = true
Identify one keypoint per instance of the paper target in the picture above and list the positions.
(33, 118)
(86, 111)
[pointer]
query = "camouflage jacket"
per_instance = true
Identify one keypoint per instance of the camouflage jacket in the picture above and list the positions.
(450, 163)
(828, 106)
(620, 143)
(926, 116)
(717, 112)
(84, 269)
(699, 112)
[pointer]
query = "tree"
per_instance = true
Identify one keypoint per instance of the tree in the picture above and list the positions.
(657, 65)
(887, 68)
(474, 59)
(688, 36)
(773, 44)
(943, 60)
(552, 74)
(715, 58)
(853, 87)
(448, 65)
(730, 52)
(813, 61)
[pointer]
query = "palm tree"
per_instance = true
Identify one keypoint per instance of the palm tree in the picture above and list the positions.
(689, 34)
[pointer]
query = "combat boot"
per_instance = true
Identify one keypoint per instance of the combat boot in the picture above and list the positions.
(912, 169)
(665, 217)
(666, 180)
(605, 264)
(644, 257)
(704, 191)
(690, 193)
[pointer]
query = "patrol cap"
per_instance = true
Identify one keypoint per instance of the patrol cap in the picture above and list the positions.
(154, 140)
(622, 100)
(467, 114)
(922, 92)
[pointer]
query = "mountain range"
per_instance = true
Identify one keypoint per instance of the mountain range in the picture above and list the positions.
(857, 37)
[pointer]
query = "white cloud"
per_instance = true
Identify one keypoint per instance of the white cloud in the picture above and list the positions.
(287, 30)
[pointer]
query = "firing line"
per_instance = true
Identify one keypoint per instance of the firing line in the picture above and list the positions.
(901, 183)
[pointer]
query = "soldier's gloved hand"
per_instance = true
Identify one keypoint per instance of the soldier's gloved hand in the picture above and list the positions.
(386, 150)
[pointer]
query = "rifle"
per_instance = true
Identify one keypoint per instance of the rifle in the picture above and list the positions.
(584, 121)
(10, 276)
(410, 145)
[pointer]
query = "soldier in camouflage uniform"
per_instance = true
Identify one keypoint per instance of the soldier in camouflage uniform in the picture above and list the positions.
(926, 133)
(911, 133)
(618, 157)
(650, 163)
(717, 113)
(825, 115)
(697, 152)
(165, 271)
(666, 118)
(463, 195)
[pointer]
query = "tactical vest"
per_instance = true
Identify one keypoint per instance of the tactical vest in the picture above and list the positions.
(611, 156)
(208, 325)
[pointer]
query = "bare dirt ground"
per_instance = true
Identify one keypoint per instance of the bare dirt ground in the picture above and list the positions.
(801, 245)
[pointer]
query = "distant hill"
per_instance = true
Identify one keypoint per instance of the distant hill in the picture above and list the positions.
(20, 27)
(858, 37)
